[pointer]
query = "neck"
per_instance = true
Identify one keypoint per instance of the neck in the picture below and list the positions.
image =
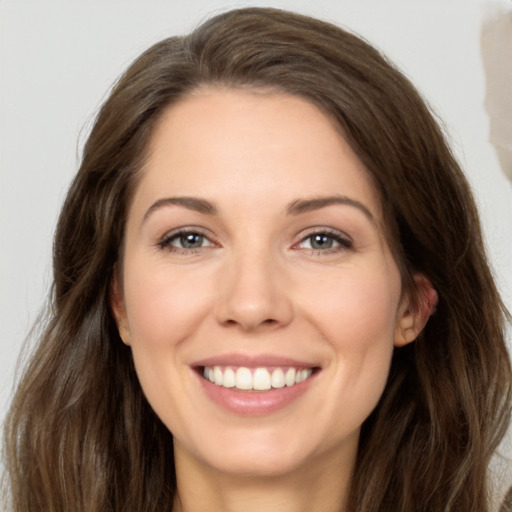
(321, 486)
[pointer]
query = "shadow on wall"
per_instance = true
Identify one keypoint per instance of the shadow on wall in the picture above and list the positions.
(496, 47)
(507, 504)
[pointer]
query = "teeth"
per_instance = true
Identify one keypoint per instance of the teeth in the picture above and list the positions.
(277, 379)
(217, 376)
(229, 378)
(243, 378)
(289, 378)
(260, 379)
(300, 376)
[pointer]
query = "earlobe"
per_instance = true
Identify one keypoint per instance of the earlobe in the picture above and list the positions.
(118, 308)
(415, 313)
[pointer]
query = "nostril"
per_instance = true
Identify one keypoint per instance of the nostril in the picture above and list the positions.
(249, 308)
(251, 324)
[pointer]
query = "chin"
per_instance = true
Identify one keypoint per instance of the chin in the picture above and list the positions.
(260, 463)
(269, 452)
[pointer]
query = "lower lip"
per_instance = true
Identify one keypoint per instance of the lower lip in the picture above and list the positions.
(254, 403)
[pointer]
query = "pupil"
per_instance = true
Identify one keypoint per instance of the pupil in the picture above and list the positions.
(191, 240)
(321, 242)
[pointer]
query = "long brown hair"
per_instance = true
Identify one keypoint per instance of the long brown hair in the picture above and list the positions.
(80, 435)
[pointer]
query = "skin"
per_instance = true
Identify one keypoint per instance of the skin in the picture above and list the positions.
(254, 285)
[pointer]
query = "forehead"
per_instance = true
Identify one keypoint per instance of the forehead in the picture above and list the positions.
(251, 146)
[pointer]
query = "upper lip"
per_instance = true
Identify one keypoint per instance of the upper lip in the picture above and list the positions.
(253, 361)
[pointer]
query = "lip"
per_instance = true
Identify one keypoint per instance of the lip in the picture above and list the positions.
(253, 361)
(253, 403)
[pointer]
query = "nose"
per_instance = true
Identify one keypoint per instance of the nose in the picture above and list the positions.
(252, 294)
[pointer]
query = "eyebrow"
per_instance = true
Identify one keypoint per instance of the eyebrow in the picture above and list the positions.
(307, 205)
(296, 207)
(191, 203)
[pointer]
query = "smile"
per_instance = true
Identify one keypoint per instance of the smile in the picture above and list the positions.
(255, 385)
(257, 379)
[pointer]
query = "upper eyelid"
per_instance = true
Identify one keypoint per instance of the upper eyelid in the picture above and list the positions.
(165, 241)
(323, 230)
(344, 241)
(187, 229)
(299, 237)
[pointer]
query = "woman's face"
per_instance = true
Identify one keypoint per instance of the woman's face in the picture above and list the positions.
(255, 256)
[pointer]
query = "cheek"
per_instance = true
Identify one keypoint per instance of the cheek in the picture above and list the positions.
(164, 309)
(357, 318)
(162, 306)
(357, 310)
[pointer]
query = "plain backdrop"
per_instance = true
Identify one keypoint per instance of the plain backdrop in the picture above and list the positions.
(59, 58)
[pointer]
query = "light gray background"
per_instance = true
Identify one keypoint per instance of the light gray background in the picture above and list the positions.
(59, 58)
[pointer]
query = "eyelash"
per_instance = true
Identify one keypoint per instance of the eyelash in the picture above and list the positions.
(342, 241)
(166, 242)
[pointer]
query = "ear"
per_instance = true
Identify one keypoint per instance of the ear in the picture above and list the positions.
(414, 314)
(118, 308)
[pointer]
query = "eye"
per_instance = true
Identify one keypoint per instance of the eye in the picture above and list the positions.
(325, 241)
(189, 240)
(319, 241)
(184, 241)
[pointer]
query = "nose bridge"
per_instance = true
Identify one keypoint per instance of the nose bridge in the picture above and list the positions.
(252, 292)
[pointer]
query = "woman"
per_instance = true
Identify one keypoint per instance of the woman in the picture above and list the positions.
(270, 293)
